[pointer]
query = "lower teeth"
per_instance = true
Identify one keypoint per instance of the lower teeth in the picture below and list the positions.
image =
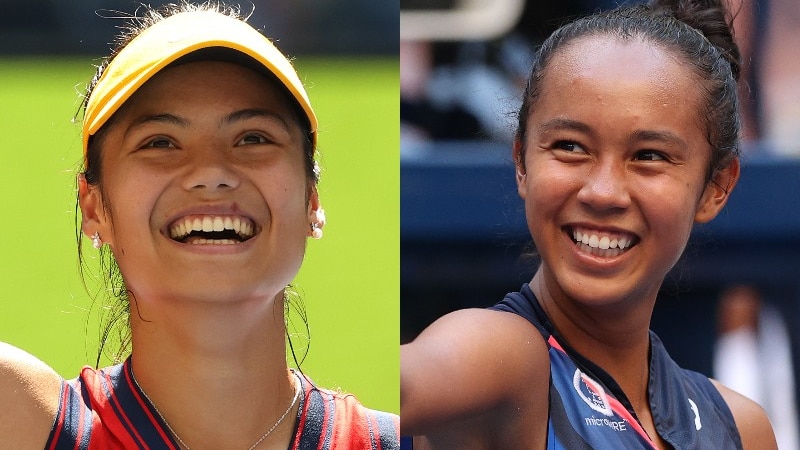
(602, 252)
(201, 241)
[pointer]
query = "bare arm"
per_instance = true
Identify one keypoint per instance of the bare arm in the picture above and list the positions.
(29, 395)
(751, 420)
(473, 372)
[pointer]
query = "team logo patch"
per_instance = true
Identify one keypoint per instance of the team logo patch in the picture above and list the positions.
(592, 393)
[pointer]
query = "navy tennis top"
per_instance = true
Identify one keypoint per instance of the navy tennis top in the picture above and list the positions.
(588, 409)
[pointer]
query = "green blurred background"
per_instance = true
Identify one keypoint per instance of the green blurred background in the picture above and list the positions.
(349, 281)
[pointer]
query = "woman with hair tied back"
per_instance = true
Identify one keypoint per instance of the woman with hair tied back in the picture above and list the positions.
(199, 188)
(627, 136)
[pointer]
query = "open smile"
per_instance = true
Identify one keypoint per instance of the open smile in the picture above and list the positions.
(603, 244)
(212, 230)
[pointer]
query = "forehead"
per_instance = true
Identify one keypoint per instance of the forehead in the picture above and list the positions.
(210, 79)
(630, 60)
(622, 77)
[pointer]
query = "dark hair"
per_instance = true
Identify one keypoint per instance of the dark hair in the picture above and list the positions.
(696, 30)
(116, 315)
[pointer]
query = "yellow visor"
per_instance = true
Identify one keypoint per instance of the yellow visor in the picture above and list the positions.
(177, 36)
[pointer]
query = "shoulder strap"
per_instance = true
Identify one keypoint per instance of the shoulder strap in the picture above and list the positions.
(687, 409)
(332, 421)
(525, 305)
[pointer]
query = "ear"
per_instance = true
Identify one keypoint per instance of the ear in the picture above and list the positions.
(519, 166)
(315, 212)
(717, 192)
(93, 215)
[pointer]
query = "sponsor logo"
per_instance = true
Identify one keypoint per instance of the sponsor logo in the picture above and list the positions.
(616, 425)
(592, 393)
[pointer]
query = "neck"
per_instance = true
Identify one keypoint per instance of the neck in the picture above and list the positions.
(614, 335)
(202, 361)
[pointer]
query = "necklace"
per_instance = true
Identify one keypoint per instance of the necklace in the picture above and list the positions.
(261, 439)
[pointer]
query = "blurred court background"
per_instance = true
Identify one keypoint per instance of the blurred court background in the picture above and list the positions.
(731, 307)
(346, 53)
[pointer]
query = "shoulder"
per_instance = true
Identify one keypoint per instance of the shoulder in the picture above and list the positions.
(479, 367)
(475, 333)
(751, 420)
(29, 395)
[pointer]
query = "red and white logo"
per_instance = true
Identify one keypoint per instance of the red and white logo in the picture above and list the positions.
(592, 393)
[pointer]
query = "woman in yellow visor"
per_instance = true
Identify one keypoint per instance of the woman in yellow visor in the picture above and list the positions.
(199, 190)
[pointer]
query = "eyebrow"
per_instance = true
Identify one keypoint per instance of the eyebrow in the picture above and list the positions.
(243, 114)
(250, 113)
(665, 137)
(559, 123)
(161, 118)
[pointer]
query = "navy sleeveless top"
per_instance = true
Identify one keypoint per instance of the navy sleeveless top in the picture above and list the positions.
(588, 410)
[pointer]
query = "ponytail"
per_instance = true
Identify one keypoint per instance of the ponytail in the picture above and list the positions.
(711, 19)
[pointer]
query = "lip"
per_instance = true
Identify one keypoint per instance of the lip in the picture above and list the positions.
(604, 262)
(231, 210)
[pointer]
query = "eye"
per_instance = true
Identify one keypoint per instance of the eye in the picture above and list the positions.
(650, 155)
(569, 146)
(252, 138)
(159, 142)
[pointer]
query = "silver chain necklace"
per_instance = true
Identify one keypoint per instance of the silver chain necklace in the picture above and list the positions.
(261, 439)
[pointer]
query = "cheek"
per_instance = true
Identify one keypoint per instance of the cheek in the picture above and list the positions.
(669, 211)
(550, 185)
(132, 200)
(284, 194)
(548, 192)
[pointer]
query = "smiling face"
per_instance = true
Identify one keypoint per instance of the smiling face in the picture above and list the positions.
(614, 171)
(204, 184)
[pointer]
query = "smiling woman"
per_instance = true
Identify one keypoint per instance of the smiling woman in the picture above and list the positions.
(199, 187)
(188, 147)
(627, 137)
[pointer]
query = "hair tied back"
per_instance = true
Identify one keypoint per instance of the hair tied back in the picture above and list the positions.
(710, 18)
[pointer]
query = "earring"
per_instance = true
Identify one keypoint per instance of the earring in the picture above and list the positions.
(318, 223)
(96, 242)
(316, 231)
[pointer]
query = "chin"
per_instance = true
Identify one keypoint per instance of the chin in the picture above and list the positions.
(609, 293)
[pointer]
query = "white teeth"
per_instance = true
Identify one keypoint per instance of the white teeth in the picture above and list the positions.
(601, 242)
(208, 224)
(183, 228)
(213, 241)
(237, 225)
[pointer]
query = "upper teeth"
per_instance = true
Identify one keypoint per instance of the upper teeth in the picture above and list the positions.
(183, 227)
(602, 241)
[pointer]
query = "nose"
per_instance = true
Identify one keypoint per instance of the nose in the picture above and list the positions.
(606, 187)
(211, 168)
